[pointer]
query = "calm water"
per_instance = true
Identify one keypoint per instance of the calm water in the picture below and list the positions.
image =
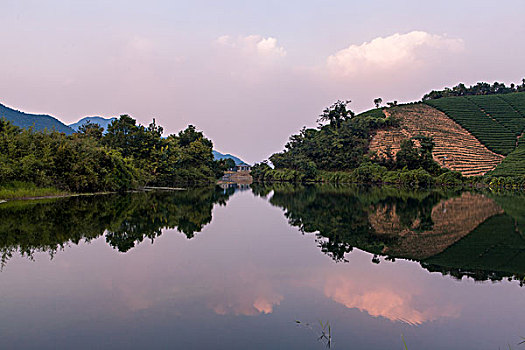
(237, 268)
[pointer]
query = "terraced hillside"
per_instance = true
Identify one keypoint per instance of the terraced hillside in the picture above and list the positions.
(496, 120)
(514, 163)
(455, 148)
(486, 128)
(473, 134)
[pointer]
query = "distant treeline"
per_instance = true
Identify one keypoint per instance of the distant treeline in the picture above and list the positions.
(128, 155)
(480, 88)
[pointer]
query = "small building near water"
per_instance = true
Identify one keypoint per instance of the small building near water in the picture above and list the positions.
(243, 167)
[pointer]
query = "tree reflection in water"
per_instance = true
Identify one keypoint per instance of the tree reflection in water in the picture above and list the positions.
(125, 220)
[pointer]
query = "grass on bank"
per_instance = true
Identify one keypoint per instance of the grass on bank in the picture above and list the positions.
(19, 189)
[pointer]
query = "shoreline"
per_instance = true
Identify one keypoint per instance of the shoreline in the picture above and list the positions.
(66, 195)
(69, 195)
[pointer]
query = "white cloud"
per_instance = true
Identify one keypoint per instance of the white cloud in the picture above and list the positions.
(393, 51)
(253, 44)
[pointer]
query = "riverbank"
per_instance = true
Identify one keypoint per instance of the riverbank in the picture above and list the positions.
(370, 173)
(23, 190)
(27, 191)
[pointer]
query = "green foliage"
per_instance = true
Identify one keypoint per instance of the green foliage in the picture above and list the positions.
(127, 156)
(338, 153)
(336, 114)
(368, 173)
(375, 113)
(92, 130)
(414, 177)
(454, 178)
(516, 101)
(229, 163)
(340, 145)
(411, 157)
(72, 163)
(497, 121)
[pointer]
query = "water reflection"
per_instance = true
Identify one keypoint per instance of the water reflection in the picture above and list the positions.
(456, 233)
(387, 298)
(244, 280)
(125, 220)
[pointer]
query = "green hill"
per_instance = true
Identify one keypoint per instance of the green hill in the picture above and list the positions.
(467, 130)
(39, 122)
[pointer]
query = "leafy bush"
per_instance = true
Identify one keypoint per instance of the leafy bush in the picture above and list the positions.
(450, 178)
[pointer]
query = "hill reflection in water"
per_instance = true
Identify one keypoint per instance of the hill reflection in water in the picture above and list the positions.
(456, 233)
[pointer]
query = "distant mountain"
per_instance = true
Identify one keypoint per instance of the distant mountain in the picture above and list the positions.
(219, 156)
(103, 122)
(39, 122)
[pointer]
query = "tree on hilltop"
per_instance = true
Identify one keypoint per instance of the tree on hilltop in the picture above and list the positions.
(336, 113)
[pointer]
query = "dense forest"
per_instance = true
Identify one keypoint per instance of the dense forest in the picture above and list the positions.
(128, 155)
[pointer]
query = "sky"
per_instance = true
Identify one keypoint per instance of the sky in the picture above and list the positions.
(247, 73)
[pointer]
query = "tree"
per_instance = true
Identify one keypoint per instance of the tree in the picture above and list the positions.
(392, 104)
(90, 129)
(229, 163)
(413, 157)
(336, 113)
(378, 101)
(408, 155)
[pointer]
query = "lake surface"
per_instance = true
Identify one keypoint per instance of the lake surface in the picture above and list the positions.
(260, 267)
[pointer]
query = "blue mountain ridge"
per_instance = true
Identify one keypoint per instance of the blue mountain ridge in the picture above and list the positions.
(219, 156)
(103, 122)
(39, 122)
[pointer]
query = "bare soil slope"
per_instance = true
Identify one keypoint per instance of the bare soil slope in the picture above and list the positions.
(455, 149)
